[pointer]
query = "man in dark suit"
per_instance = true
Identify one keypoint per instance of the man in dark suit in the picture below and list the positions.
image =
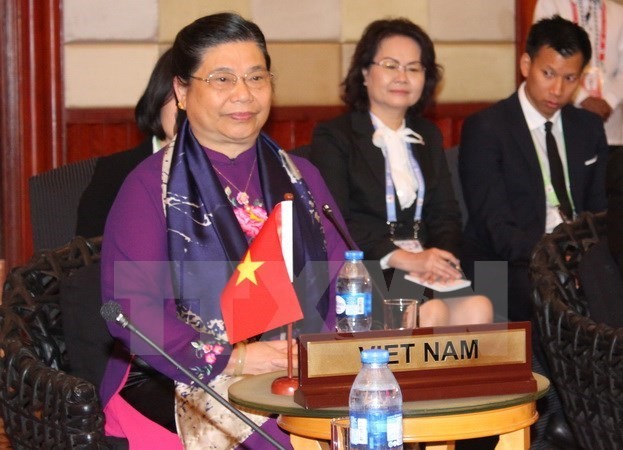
(532, 160)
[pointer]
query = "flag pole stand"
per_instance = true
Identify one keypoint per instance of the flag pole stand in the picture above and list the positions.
(288, 384)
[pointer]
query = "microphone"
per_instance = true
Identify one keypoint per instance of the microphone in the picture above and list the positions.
(328, 212)
(111, 312)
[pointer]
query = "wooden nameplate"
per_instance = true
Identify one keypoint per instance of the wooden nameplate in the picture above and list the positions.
(429, 363)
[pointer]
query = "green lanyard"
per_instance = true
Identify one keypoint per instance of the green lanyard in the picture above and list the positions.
(552, 199)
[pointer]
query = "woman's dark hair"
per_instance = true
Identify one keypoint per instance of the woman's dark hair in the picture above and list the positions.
(566, 37)
(193, 40)
(158, 92)
(355, 94)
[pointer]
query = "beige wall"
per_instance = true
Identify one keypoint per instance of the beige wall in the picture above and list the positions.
(112, 45)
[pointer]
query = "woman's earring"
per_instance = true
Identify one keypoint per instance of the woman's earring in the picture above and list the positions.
(180, 106)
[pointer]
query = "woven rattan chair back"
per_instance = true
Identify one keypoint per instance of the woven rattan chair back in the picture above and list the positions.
(42, 406)
(45, 408)
(585, 357)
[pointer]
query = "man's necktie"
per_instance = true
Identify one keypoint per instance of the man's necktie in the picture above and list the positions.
(557, 173)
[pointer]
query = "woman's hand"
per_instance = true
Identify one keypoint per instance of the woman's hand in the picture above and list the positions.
(431, 265)
(263, 357)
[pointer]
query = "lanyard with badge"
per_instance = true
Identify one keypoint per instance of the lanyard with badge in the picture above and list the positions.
(592, 80)
(410, 243)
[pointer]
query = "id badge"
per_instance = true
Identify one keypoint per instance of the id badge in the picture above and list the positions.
(410, 245)
(592, 81)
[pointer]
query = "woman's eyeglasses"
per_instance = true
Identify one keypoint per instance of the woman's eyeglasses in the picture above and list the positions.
(225, 81)
(393, 66)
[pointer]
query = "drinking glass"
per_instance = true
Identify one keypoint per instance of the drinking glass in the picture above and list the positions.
(401, 313)
(340, 433)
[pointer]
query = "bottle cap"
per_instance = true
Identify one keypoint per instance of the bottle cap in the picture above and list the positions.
(353, 255)
(375, 356)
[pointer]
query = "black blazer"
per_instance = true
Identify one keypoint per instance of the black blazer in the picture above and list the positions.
(354, 170)
(98, 197)
(502, 181)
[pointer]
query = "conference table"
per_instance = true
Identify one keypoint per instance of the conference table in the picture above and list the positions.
(439, 423)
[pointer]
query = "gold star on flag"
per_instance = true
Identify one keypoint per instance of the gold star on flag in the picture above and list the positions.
(247, 270)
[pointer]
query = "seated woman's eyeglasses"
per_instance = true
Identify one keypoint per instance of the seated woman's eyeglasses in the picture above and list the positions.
(393, 66)
(224, 81)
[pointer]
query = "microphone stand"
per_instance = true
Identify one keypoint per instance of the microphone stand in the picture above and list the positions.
(328, 212)
(111, 311)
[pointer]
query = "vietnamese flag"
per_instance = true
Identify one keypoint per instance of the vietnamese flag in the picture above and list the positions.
(259, 296)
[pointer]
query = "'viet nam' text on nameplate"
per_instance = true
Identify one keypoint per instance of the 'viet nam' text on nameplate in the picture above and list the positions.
(429, 363)
(420, 352)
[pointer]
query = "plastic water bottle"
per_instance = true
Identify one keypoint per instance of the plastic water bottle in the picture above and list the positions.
(353, 294)
(375, 405)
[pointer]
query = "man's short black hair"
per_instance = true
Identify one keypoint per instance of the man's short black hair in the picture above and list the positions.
(566, 37)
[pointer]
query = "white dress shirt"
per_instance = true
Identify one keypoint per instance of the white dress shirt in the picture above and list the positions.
(536, 125)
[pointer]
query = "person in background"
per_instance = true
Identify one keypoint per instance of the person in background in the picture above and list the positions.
(601, 90)
(513, 191)
(526, 164)
(155, 115)
(385, 166)
(186, 215)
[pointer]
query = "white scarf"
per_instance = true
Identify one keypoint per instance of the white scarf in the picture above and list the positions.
(394, 146)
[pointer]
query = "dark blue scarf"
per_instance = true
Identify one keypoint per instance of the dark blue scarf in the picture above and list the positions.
(206, 242)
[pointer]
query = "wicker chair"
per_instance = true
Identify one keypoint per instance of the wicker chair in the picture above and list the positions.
(42, 406)
(585, 357)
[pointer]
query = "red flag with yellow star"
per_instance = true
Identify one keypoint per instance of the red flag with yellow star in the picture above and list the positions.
(259, 296)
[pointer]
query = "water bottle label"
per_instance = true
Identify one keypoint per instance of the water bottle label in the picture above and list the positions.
(358, 430)
(353, 304)
(394, 430)
(376, 429)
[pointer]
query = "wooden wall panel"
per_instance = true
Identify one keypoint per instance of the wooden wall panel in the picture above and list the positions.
(97, 132)
(100, 131)
(86, 140)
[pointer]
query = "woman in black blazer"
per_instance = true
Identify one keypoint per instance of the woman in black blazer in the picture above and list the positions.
(385, 167)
